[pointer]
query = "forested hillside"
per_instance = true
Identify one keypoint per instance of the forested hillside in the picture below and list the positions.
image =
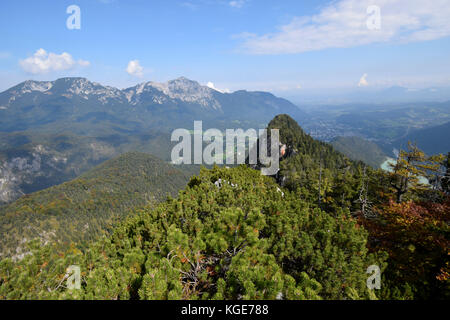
(228, 150)
(85, 208)
(243, 240)
(405, 218)
(314, 169)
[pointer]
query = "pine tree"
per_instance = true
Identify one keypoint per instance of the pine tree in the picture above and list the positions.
(411, 165)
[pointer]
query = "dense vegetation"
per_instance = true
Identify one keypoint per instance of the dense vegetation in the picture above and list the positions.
(405, 218)
(314, 170)
(235, 234)
(85, 208)
(243, 239)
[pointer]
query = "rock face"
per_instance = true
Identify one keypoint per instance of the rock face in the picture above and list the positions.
(9, 185)
(20, 173)
(67, 87)
(181, 89)
(36, 167)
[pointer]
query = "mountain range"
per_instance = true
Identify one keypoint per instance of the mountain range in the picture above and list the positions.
(75, 104)
(53, 131)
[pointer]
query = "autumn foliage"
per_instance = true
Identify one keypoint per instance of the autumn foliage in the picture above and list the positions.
(416, 236)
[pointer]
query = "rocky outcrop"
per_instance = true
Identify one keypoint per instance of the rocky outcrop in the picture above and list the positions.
(37, 167)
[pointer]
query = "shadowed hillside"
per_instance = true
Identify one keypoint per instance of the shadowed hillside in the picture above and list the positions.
(360, 149)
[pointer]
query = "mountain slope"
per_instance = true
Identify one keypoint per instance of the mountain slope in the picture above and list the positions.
(302, 147)
(85, 208)
(31, 161)
(315, 171)
(432, 140)
(243, 240)
(359, 149)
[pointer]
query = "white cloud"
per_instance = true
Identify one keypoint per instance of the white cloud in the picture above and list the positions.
(42, 62)
(343, 24)
(212, 86)
(237, 3)
(135, 69)
(363, 81)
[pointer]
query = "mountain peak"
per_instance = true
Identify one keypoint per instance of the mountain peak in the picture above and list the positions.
(178, 93)
(290, 131)
(186, 85)
(181, 88)
(67, 87)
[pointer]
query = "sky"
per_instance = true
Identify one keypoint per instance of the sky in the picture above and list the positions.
(283, 46)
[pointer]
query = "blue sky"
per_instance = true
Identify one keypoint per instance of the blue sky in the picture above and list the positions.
(279, 46)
